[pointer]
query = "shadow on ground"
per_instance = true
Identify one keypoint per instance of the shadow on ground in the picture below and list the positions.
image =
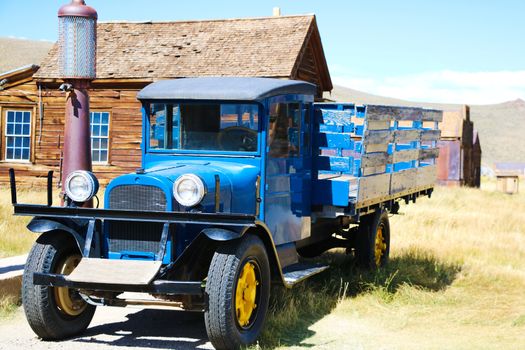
(291, 312)
(151, 329)
(294, 311)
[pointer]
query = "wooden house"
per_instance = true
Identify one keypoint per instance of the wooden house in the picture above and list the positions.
(508, 176)
(459, 161)
(129, 57)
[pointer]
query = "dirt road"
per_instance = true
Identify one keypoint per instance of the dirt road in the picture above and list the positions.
(117, 328)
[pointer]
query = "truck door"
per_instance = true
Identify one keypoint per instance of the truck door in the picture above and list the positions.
(288, 170)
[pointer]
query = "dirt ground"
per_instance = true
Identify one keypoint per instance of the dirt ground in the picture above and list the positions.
(117, 328)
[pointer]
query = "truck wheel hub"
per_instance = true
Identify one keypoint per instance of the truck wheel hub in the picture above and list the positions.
(246, 294)
(380, 245)
(67, 300)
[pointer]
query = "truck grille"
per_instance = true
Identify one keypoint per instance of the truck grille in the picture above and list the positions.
(135, 236)
(137, 197)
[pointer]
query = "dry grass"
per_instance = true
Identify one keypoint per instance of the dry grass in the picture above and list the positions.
(15, 239)
(455, 281)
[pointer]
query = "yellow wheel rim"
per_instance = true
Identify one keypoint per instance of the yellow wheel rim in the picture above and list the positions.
(68, 301)
(246, 294)
(380, 245)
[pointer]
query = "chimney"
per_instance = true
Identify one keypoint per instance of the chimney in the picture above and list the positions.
(276, 11)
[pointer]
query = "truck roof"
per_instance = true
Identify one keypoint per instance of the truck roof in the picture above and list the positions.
(224, 88)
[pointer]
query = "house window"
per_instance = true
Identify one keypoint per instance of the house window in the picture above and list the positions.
(18, 135)
(284, 130)
(99, 136)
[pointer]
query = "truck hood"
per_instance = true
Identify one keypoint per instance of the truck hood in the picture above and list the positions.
(237, 183)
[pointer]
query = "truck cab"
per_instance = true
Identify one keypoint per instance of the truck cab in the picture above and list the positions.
(242, 180)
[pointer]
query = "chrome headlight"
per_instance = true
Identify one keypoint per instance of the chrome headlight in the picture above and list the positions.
(81, 186)
(189, 190)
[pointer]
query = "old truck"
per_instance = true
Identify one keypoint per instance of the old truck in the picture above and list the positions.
(242, 180)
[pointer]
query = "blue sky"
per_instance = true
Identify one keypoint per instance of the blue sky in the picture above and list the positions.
(444, 51)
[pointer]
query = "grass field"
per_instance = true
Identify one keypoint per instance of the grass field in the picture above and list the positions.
(456, 281)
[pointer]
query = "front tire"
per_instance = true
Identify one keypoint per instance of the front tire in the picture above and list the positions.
(238, 288)
(54, 313)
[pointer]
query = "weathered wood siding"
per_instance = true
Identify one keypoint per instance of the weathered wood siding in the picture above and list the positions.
(125, 129)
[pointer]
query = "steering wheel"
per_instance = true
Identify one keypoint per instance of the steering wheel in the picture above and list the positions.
(238, 138)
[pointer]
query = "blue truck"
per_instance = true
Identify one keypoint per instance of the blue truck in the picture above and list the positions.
(242, 181)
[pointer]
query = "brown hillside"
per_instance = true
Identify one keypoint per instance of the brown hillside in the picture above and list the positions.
(15, 53)
(501, 126)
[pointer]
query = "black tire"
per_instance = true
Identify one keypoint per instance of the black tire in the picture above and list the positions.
(221, 317)
(44, 315)
(366, 252)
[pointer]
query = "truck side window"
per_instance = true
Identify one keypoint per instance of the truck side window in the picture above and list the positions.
(283, 130)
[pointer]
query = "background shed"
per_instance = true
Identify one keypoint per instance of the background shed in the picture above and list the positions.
(459, 161)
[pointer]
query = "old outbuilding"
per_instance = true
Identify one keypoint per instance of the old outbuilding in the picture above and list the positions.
(130, 56)
(459, 161)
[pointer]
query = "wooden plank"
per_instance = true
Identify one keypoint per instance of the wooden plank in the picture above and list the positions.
(335, 140)
(373, 186)
(428, 153)
(433, 115)
(342, 164)
(112, 271)
(430, 135)
(405, 155)
(408, 135)
(369, 160)
(375, 112)
(378, 125)
(378, 137)
(403, 180)
(426, 175)
(380, 169)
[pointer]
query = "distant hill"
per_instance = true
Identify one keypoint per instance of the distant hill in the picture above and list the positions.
(501, 127)
(15, 53)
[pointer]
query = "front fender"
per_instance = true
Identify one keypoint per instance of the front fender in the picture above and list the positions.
(77, 228)
(221, 234)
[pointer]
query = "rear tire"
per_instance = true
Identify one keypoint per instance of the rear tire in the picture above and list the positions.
(238, 288)
(373, 240)
(54, 313)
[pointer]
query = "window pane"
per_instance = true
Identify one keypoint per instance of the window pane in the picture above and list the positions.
(104, 144)
(10, 141)
(26, 142)
(96, 130)
(96, 118)
(94, 156)
(103, 156)
(25, 129)
(96, 144)
(105, 118)
(27, 117)
(104, 131)
(18, 117)
(25, 153)
(18, 142)
(10, 117)
(18, 153)
(18, 129)
(10, 129)
(9, 153)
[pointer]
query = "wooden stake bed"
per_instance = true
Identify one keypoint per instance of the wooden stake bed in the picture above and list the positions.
(108, 271)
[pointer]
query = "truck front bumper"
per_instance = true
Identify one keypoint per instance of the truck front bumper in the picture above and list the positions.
(155, 287)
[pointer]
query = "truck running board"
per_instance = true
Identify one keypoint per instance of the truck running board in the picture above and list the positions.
(298, 272)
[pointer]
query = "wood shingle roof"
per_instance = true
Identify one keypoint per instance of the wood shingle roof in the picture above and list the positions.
(256, 47)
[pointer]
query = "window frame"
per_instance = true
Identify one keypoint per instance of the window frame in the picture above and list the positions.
(108, 137)
(219, 153)
(3, 132)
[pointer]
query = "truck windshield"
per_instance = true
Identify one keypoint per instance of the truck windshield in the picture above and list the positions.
(208, 127)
